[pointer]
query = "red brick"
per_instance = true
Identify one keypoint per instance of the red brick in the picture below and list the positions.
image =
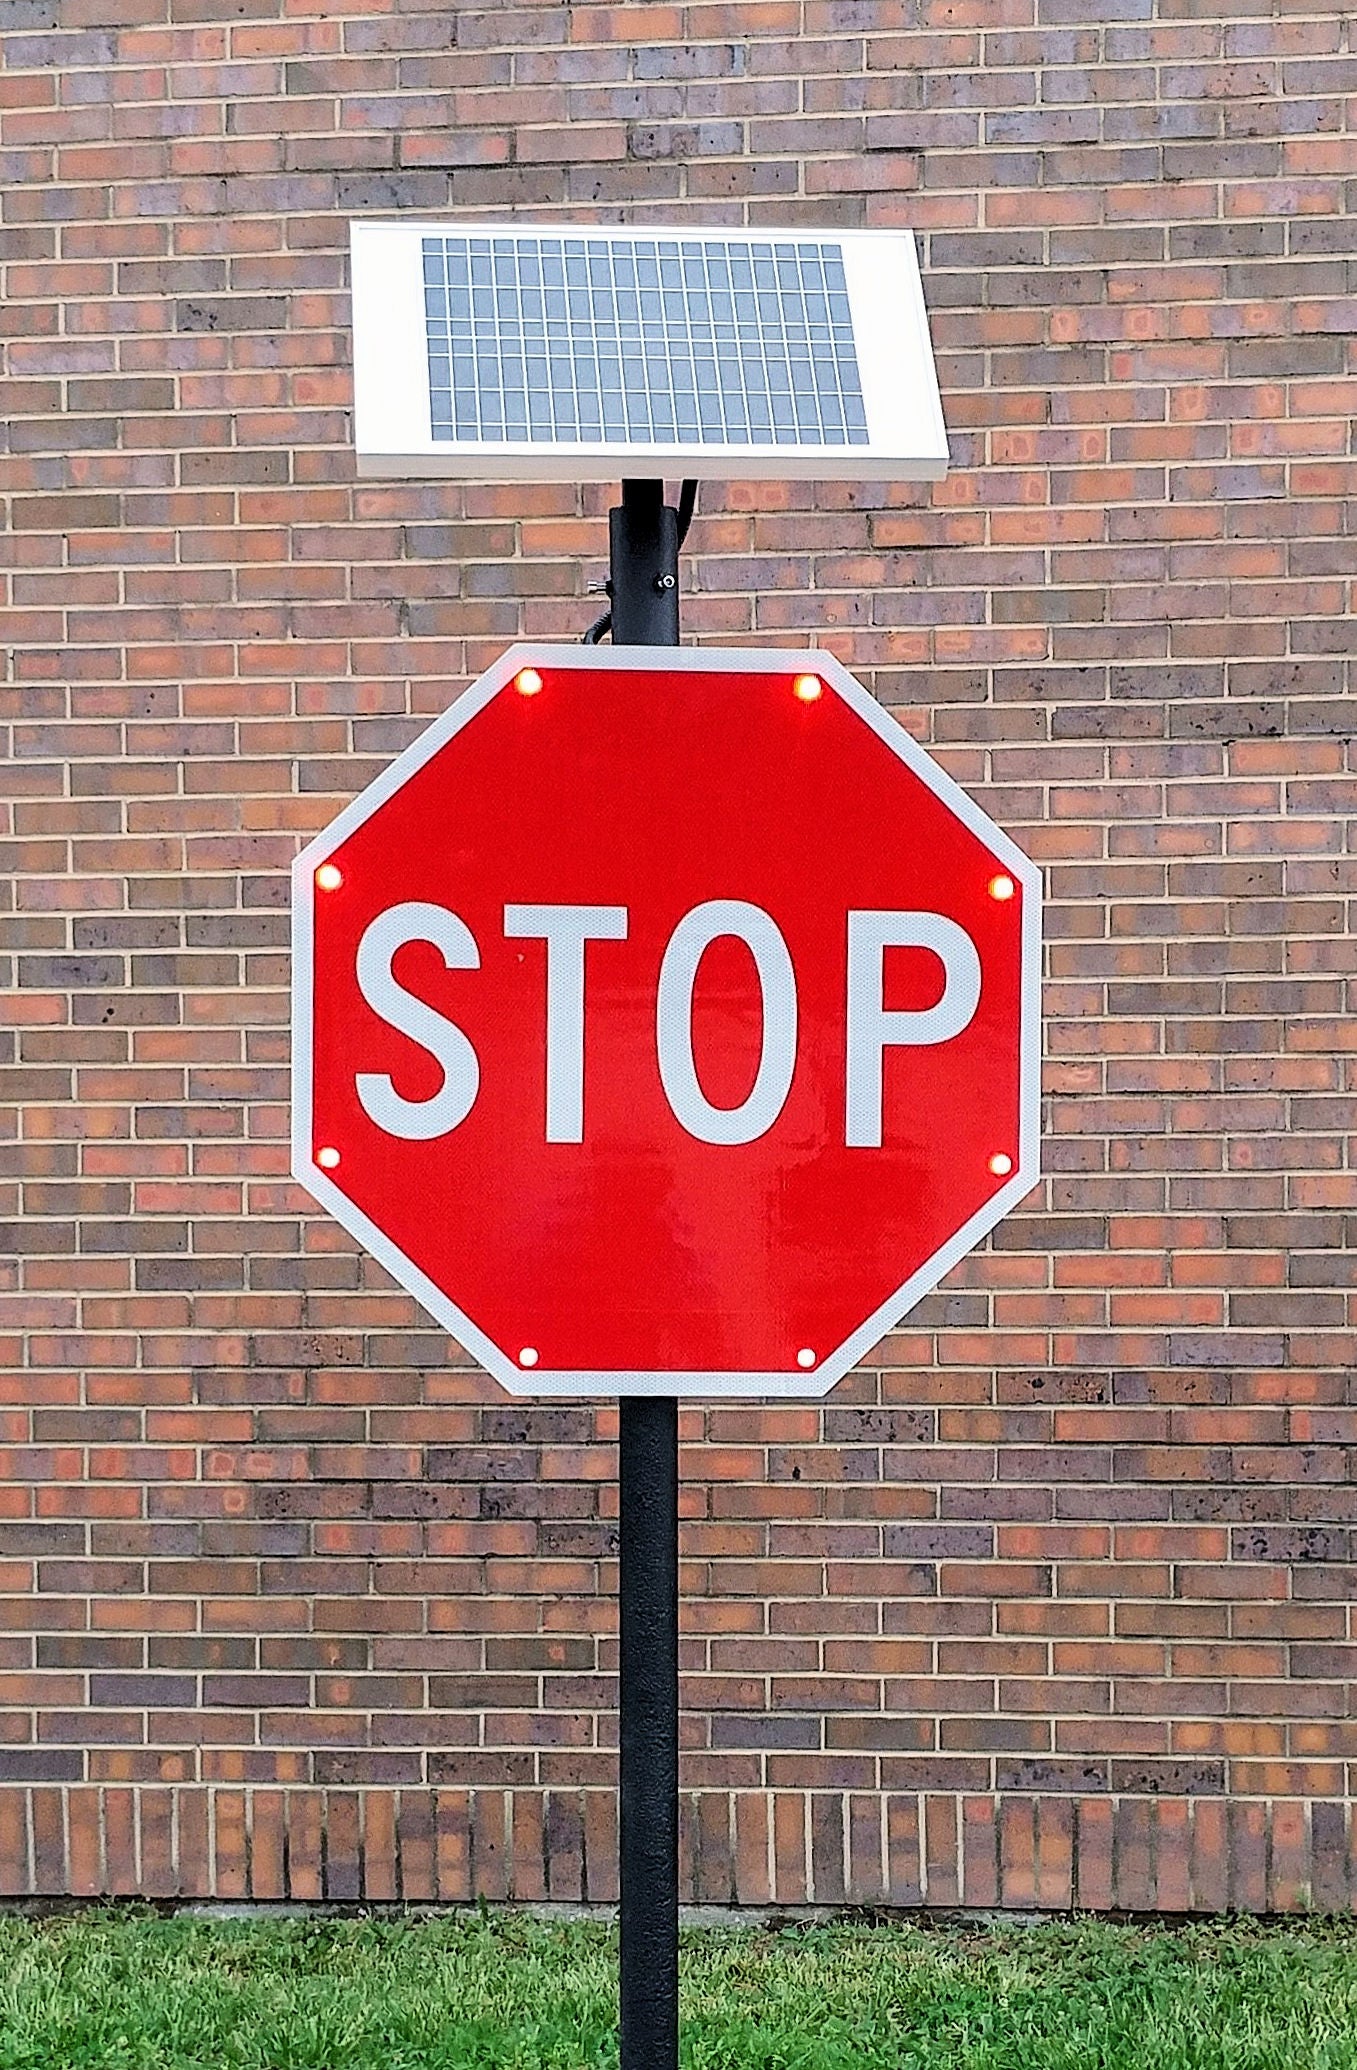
(790, 1864)
(1133, 1867)
(1055, 1854)
(753, 1884)
(980, 1879)
(345, 1860)
(120, 1845)
(195, 1853)
(490, 1864)
(452, 1845)
(1093, 1843)
(1017, 1854)
(1172, 1856)
(85, 1843)
(305, 1811)
(1329, 1866)
(600, 1844)
(155, 1809)
(231, 1850)
(15, 1872)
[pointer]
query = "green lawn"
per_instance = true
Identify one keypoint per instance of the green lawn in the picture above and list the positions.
(124, 1990)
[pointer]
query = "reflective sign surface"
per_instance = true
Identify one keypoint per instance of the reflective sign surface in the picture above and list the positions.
(666, 1019)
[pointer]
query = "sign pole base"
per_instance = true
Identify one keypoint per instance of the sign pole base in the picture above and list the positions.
(644, 567)
(648, 1679)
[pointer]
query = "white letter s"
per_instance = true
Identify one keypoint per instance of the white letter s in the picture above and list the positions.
(418, 1120)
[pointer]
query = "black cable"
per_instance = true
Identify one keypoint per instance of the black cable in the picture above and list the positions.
(687, 504)
(596, 631)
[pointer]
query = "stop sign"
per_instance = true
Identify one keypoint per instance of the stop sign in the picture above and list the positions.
(666, 1020)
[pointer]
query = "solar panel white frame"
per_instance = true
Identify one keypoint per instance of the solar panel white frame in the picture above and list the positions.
(503, 377)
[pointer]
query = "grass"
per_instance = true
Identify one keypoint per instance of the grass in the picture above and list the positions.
(120, 1989)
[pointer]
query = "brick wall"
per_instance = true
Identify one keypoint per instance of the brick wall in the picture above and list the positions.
(1050, 1601)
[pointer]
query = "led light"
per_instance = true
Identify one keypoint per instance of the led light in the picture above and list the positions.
(329, 876)
(1001, 887)
(527, 682)
(807, 688)
(1001, 1164)
(805, 1358)
(327, 1158)
(527, 1356)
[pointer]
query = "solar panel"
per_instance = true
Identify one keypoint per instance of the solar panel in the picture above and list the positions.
(638, 341)
(502, 350)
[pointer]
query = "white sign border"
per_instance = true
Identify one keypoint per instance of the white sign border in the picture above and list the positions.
(665, 660)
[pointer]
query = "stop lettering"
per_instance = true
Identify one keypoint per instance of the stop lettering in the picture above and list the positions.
(565, 930)
(665, 1019)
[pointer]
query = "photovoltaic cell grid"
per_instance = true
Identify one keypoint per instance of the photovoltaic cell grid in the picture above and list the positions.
(647, 341)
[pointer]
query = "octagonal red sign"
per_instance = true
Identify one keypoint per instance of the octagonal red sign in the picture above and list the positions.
(666, 1020)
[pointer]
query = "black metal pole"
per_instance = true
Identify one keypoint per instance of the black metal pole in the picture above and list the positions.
(644, 543)
(648, 1706)
(643, 537)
